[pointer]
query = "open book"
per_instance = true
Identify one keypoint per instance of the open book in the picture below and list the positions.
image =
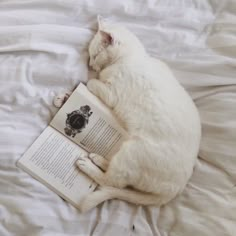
(83, 125)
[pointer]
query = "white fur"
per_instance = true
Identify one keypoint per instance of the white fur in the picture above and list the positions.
(155, 164)
(60, 99)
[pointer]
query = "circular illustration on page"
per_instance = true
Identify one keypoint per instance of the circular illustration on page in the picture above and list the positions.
(77, 120)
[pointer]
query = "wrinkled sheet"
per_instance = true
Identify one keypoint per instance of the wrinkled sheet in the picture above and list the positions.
(43, 51)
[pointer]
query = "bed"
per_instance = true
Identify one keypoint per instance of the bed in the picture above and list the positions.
(43, 51)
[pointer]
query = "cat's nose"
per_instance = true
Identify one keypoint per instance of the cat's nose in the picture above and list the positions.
(90, 67)
(90, 64)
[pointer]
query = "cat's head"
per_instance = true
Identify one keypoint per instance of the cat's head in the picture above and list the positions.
(110, 43)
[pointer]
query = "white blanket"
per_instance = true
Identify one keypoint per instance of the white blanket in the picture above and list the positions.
(43, 51)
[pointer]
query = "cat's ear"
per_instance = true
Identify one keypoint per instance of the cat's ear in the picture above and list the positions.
(100, 21)
(107, 38)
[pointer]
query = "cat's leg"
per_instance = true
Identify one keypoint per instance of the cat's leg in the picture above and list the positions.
(60, 99)
(102, 91)
(90, 169)
(116, 175)
(99, 161)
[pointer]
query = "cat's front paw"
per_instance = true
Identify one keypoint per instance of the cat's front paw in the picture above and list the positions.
(85, 165)
(99, 161)
(60, 99)
(91, 85)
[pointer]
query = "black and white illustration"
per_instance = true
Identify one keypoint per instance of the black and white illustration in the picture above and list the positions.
(77, 120)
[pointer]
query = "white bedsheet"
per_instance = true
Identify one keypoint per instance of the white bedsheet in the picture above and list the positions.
(43, 52)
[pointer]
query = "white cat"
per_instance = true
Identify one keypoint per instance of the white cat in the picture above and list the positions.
(155, 164)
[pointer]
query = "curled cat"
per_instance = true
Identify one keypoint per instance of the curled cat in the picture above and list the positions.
(154, 165)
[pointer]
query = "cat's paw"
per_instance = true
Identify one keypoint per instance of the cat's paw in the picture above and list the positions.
(91, 85)
(90, 169)
(85, 165)
(99, 161)
(60, 99)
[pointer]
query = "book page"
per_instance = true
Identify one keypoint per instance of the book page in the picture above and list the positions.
(51, 159)
(85, 120)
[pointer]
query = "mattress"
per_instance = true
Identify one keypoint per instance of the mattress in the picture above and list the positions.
(43, 51)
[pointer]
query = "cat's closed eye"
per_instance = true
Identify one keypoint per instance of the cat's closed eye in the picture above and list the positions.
(92, 59)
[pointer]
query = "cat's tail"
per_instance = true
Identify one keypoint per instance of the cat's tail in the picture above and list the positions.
(105, 193)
